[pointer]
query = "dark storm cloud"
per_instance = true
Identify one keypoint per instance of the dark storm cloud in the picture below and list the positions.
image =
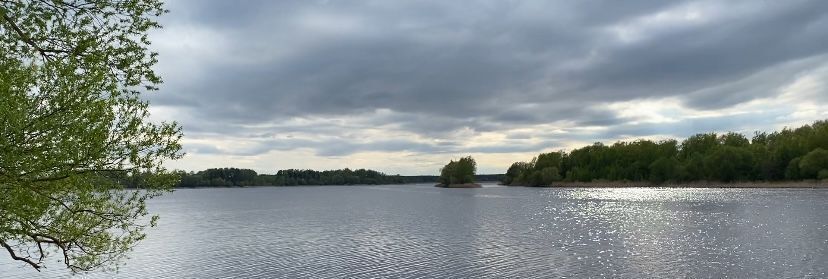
(441, 66)
(696, 59)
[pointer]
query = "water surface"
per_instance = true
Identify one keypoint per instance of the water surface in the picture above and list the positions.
(418, 231)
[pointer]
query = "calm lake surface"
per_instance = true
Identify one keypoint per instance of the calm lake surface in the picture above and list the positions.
(418, 231)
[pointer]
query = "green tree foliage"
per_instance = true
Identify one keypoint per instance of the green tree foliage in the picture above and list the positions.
(813, 163)
(447, 173)
(727, 163)
(515, 175)
(231, 176)
(546, 160)
(698, 144)
(693, 168)
(823, 174)
(541, 171)
(663, 169)
(733, 140)
(788, 154)
(226, 177)
(458, 172)
(792, 171)
(548, 175)
(75, 130)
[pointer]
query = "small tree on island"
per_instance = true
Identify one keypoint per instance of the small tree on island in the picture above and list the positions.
(458, 172)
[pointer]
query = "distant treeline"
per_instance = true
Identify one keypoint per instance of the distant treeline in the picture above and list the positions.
(791, 155)
(229, 177)
(222, 177)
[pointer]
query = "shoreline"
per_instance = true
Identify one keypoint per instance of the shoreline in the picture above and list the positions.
(466, 185)
(700, 184)
(595, 184)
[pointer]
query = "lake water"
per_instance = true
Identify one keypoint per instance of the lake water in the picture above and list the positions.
(419, 231)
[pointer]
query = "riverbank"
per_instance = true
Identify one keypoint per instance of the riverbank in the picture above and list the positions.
(699, 184)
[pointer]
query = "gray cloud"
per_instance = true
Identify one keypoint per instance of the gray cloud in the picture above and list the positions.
(444, 66)
(337, 148)
(743, 123)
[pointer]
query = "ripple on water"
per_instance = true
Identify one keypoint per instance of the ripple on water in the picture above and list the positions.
(493, 232)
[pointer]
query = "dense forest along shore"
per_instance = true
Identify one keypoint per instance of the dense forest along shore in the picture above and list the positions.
(782, 159)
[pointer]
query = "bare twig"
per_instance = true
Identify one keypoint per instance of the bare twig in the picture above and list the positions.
(14, 256)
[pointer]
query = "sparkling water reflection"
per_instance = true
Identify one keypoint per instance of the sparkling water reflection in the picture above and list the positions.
(418, 231)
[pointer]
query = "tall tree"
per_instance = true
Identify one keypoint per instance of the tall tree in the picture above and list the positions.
(75, 130)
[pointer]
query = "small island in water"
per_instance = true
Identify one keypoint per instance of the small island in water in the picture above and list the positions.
(459, 174)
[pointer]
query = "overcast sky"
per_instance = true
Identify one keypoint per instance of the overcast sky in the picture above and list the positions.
(403, 86)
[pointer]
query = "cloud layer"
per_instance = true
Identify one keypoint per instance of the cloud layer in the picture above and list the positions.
(359, 82)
